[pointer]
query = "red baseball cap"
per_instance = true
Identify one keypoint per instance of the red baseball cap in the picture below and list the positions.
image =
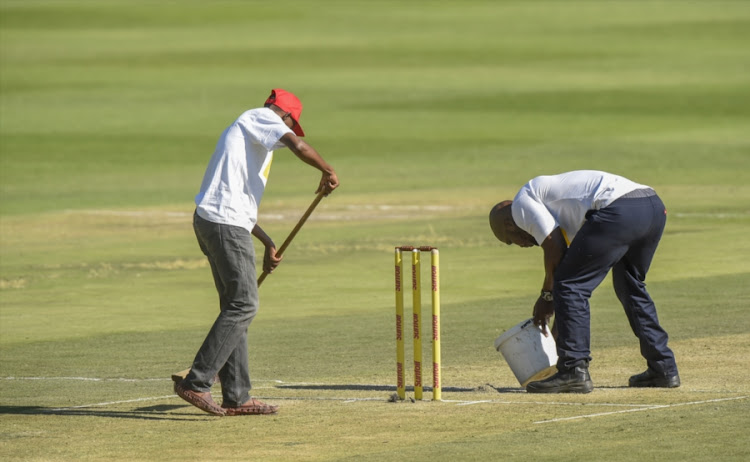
(288, 103)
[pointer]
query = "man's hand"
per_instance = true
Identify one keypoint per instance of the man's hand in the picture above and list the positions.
(543, 311)
(328, 182)
(270, 260)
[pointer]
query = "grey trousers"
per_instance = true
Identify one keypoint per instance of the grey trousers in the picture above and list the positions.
(230, 253)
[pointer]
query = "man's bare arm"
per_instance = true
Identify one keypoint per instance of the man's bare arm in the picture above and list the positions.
(307, 154)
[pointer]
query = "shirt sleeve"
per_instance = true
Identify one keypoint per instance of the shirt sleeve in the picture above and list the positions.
(267, 128)
(532, 216)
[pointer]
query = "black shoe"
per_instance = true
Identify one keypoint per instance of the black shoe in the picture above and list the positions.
(651, 378)
(576, 380)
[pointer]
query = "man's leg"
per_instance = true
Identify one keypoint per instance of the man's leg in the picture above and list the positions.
(232, 257)
(629, 276)
(602, 241)
(643, 319)
(235, 374)
(598, 245)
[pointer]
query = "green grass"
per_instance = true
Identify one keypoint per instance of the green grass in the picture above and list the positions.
(431, 112)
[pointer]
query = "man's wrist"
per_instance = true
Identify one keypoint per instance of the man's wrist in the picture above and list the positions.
(546, 295)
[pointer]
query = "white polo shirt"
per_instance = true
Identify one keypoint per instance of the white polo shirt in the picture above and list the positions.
(237, 173)
(546, 202)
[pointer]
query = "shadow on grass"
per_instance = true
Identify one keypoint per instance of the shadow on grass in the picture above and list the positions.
(146, 413)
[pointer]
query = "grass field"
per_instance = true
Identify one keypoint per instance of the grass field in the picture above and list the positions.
(431, 112)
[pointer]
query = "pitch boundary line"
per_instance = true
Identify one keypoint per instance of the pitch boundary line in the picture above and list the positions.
(645, 408)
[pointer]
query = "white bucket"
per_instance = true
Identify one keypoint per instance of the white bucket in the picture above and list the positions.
(530, 355)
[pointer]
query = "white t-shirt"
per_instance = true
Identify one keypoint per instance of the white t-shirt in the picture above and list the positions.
(237, 173)
(547, 202)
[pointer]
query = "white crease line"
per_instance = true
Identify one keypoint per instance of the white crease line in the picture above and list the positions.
(272, 398)
(545, 403)
(469, 403)
(324, 384)
(639, 407)
(647, 408)
(109, 403)
(113, 379)
(85, 379)
(347, 400)
(320, 398)
(460, 403)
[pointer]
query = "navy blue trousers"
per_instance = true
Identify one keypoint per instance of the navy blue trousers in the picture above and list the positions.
(622, 237)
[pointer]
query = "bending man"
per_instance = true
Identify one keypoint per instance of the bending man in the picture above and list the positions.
(588, 222)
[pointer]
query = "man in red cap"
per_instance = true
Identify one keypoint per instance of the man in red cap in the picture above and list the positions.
(225, 217)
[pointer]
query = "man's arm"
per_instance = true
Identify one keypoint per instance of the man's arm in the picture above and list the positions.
(329, 181)
(554, 249)
(270, 260)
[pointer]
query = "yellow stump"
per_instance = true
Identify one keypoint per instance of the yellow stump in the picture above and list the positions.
(436, 386)
(400, 382)
(417, 312)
